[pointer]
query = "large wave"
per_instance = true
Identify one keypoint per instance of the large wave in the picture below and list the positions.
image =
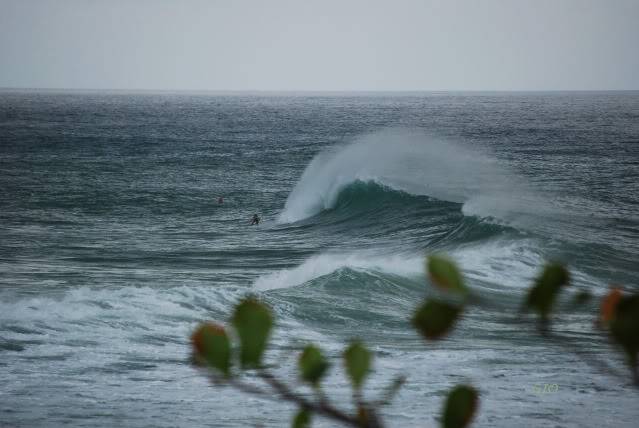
(408, 161)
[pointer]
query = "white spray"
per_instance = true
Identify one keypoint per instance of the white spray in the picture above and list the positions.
(409, 161)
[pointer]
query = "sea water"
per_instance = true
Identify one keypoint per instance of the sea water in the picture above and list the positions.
(113, 246)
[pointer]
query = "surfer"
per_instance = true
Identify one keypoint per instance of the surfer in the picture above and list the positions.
(255, 219)
(220, 200)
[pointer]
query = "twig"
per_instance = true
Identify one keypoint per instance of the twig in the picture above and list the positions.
(390, 391)
(572, 345)
(322, 408)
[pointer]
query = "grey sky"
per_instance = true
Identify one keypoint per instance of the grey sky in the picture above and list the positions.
(320, 45)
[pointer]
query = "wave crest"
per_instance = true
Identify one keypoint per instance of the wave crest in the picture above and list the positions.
(401, 160)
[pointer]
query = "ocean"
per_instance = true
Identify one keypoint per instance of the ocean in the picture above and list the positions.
(113, 247)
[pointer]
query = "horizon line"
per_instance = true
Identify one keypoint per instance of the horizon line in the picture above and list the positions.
(302, 91)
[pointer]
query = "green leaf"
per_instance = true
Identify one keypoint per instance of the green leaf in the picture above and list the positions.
(211, 346)
(625, 326)
(461, 405)
(253, 322)
(357, 361)
(543, 294)
(444, 274)
(434, 318)
(312, 364)
(302, 419)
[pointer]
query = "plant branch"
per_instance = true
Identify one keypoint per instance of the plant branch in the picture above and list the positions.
(572, 345)
(390, 391)
(321, 408)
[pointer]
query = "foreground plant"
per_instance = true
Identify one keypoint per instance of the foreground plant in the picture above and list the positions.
(618, 315)
(252, 321)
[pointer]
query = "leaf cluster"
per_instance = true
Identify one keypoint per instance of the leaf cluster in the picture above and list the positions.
(229, 351)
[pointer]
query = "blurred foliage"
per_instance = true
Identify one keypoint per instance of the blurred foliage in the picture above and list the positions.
(357, 361)
(541, 297)
(253, 322)
(461, 404)
(211, 346)
(583, 297)
(434, 318)
(609, 306)
(445, 275)
(312, 364)
(624, 326)
(302, 419)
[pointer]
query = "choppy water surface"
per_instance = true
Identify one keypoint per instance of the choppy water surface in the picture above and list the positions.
(113, 247)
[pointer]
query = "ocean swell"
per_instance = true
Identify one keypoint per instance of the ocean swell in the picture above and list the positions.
(407, 161)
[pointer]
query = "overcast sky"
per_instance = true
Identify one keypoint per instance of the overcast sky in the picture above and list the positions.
(320, 45)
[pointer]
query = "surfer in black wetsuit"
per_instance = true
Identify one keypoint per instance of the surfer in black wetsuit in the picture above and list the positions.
(255, 219)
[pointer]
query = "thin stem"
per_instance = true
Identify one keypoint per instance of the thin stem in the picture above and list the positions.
(248, 388)
(321, 396)
(322, 408)
(389, 393)
(593, 361)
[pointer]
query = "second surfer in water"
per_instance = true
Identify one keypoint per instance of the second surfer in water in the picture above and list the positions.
(255, 219)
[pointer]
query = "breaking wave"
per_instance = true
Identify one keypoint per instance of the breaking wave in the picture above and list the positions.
(409, 162)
